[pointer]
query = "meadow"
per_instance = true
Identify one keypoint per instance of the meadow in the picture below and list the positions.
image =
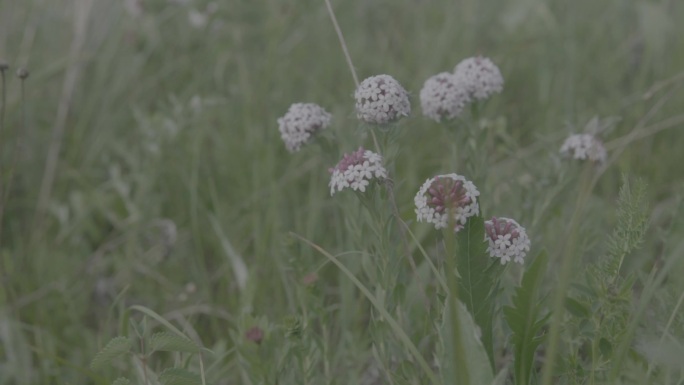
(155, 229)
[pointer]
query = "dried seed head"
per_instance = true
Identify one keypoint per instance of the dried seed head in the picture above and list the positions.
(507, 239)
(3, 66)
(482, 77)
(301, 121)
(584, 146)
(22, 73)
(381, 99)
(356, 171)
(444, 96)
(447, 198)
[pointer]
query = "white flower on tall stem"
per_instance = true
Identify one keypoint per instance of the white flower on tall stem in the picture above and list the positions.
(446, 198)
(507, 239)
(583, 147)
(356, 170)
(380, 100)
(482, 77)
(444, 96)
(300, 123)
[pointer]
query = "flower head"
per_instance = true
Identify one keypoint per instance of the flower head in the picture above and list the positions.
(507, 239)
(301, 121)
(482, 77)
(446, 195)
(443, 96)
(255, 334)
(381, 99)
(356, 171)
(584, 146)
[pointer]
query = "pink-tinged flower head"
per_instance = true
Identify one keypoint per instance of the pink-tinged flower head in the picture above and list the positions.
(507, 239)
(481, 75)
(584, 146)
(255, 334)
(444, 196)
(444, 96)
(356, 170)
(300, 123)
(381, 99)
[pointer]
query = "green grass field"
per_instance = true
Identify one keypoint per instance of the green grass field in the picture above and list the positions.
(146, 194)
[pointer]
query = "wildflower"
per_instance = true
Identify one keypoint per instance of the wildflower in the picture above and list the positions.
(22, 73)
(443, 96)
(481, 76)
(507, 239)
(447, 197)
(356, 170)
(584, 146)
(197, 19)
(301, 121)
(255, 334)
(381, 99)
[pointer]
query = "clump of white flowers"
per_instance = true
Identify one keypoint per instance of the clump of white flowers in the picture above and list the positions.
(584, 146)
(356, 170)
(507, 239)
(444, 96)
(481, 76)
(447, 197)
(381, 99)
(301, 121)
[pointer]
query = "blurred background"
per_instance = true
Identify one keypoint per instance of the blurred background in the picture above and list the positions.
(146, 166)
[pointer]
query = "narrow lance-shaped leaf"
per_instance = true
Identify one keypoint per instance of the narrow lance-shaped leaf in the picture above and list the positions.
(171, 342)
(478, 281)
(525, 321)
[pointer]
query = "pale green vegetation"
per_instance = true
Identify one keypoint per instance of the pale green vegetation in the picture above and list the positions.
(177, 219)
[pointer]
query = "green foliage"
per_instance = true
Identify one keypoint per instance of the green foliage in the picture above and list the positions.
(476, 358)
(179, 376)
(121, 381)
(168, 122)
(479, 279)
(526, 320)
(632, 223)
(172, 342)
(116, 347)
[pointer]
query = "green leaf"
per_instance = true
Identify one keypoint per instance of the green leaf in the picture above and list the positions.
(394, 325)
(476, 358)
(116, 347)
(577, 308)
(605, 347)
(524, 319)
(171, 342)
(479, 279)
(121, 381)
(179, 376)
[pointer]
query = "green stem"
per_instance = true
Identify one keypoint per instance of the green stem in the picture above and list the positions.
(457, 350)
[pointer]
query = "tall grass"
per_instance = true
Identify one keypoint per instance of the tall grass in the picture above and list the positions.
(173, 203)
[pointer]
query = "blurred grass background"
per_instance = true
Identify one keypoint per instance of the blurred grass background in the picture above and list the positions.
(171, 172)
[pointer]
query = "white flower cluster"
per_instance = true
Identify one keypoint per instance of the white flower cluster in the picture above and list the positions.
(444, 194)
(444, 96)
(301, 121)
(481, 76)
(507, 239)
(381, 99)
(356, 170)
(584, 146)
